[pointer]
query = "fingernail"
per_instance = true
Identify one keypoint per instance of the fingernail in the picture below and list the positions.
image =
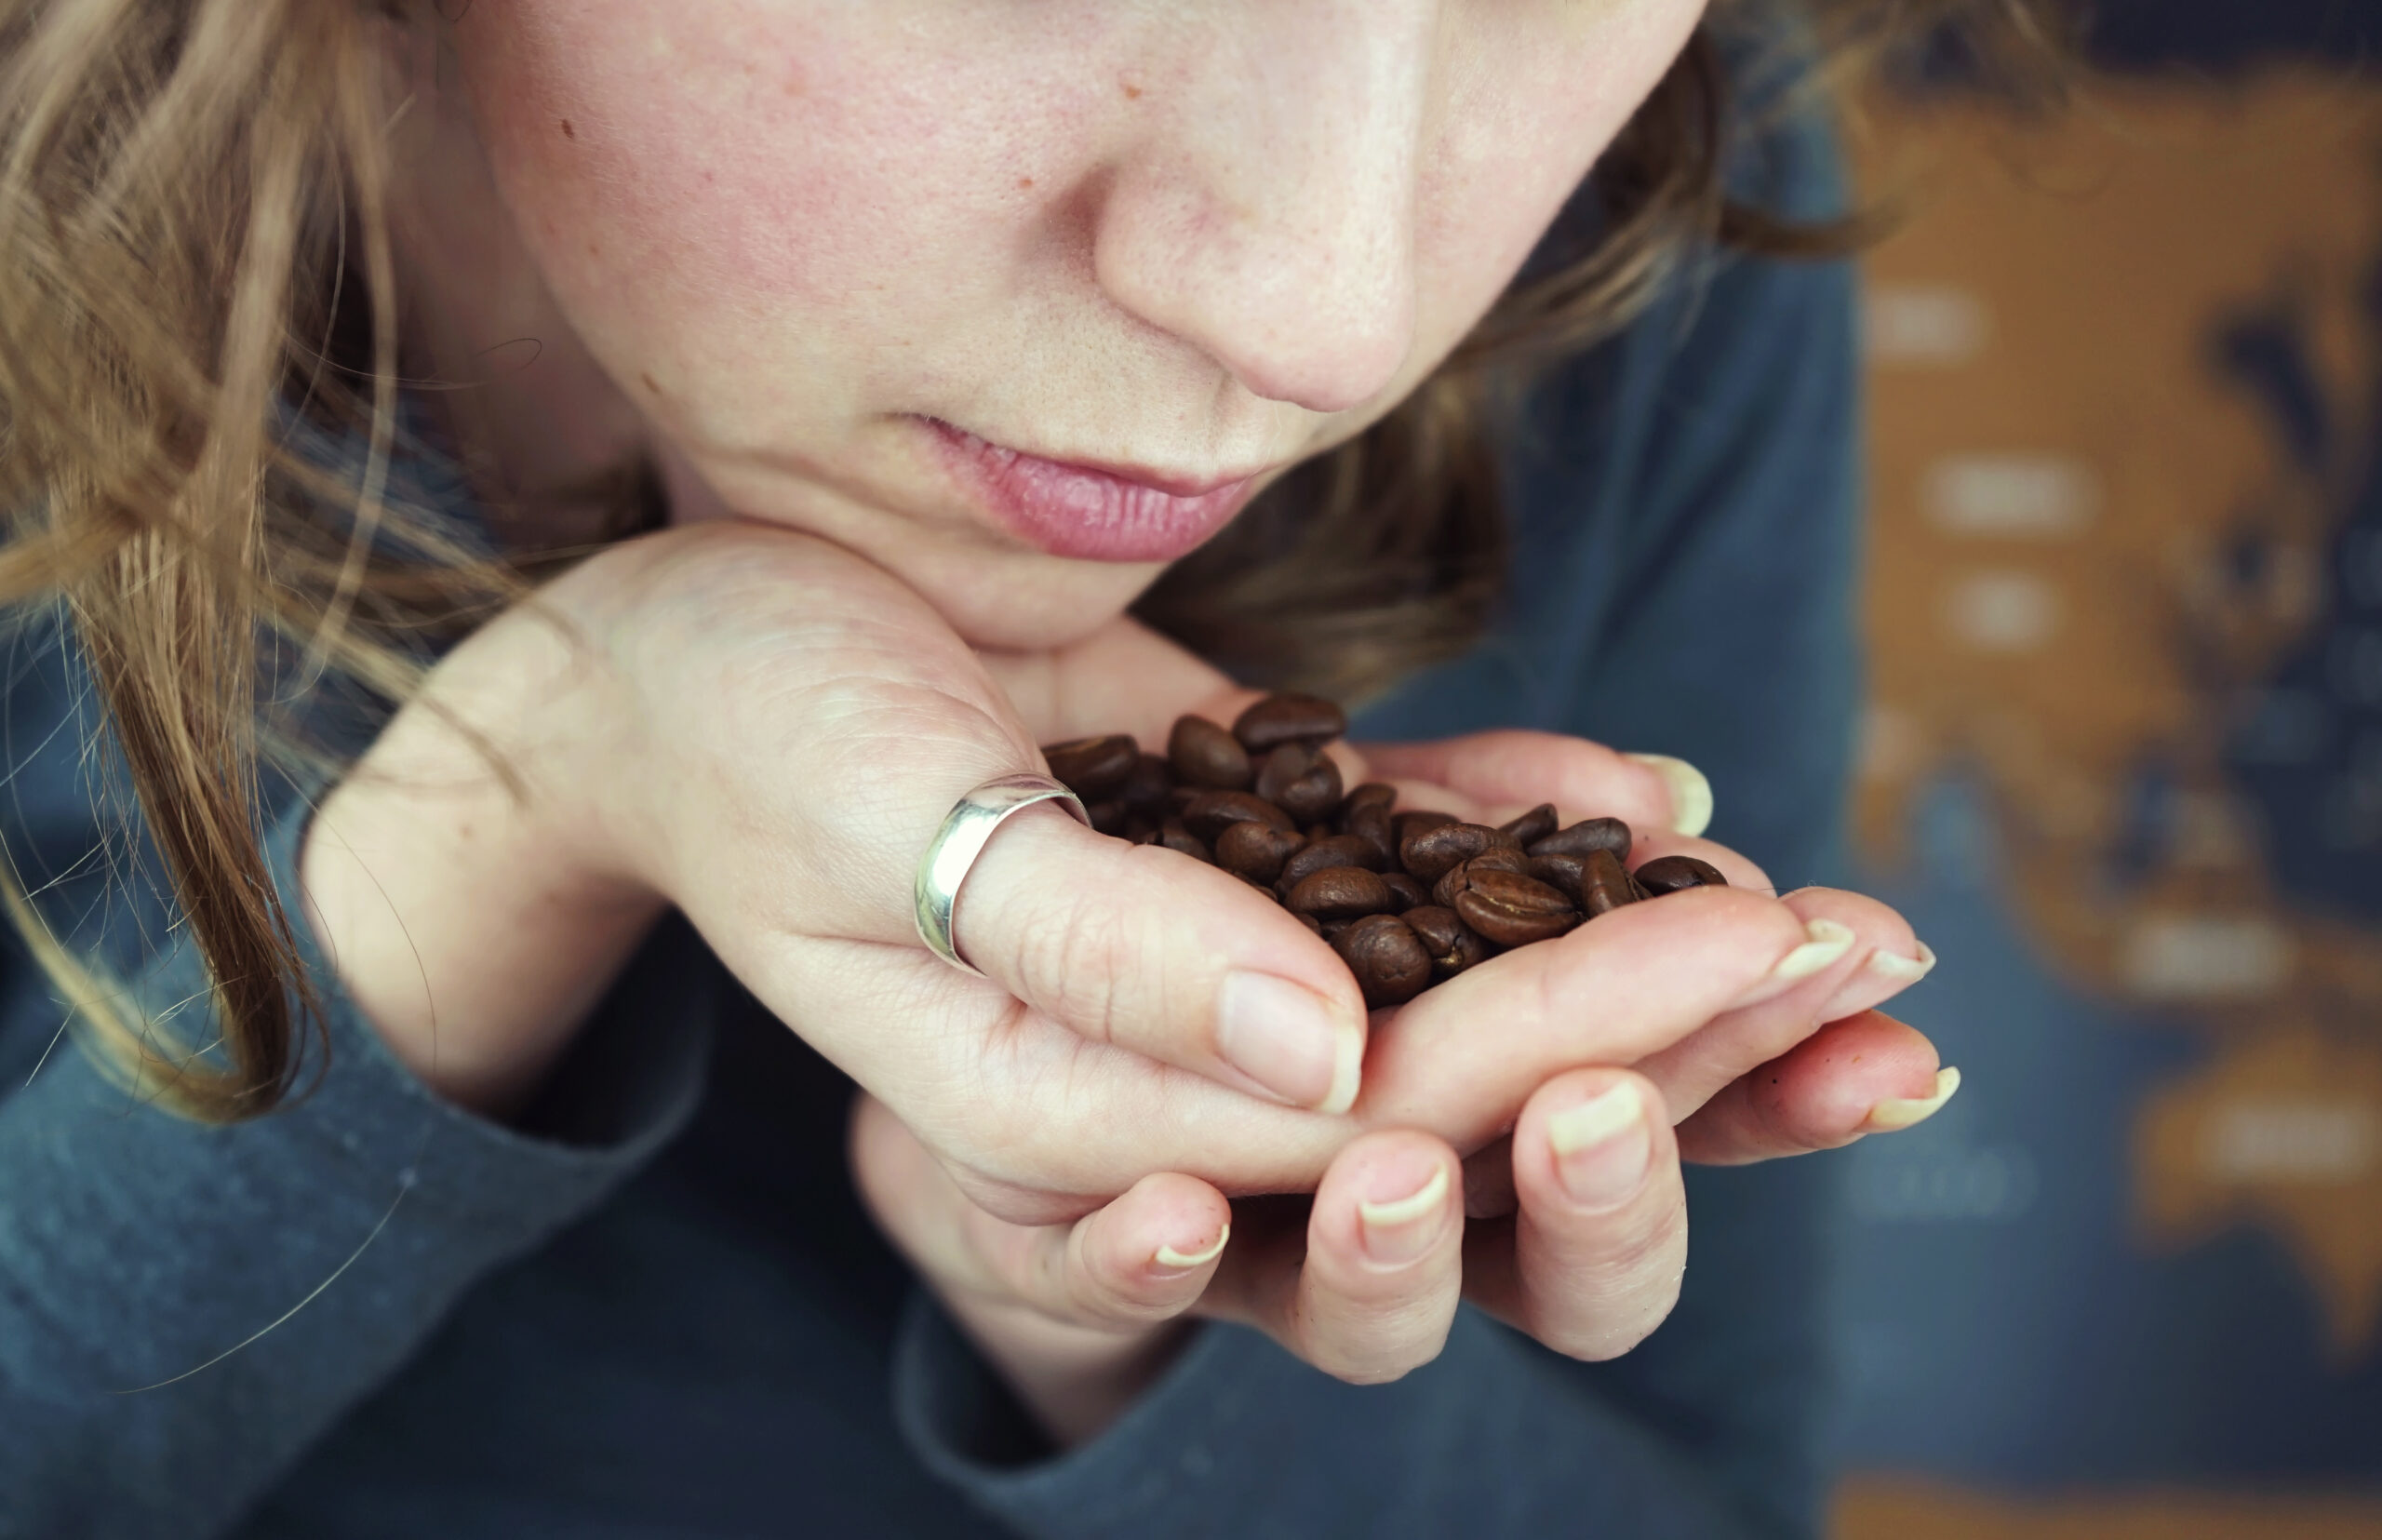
(1896, 1113)
(1601, 1146)
(1289, 1040)
(1902, 970)
(1828, 942)
(1690, 793)
(1824, 942)
(1183, 1262)
(1398, 1232)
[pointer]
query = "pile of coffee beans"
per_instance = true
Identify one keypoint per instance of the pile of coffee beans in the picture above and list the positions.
(1408, 897)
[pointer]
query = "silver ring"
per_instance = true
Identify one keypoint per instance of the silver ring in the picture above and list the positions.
(956, 846)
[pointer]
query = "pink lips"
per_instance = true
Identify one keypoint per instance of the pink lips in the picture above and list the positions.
(1086, 513)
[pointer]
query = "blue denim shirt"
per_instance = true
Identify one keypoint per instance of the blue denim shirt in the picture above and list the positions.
(657, 1309)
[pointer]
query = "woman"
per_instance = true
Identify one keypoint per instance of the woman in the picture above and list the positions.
(914, 342)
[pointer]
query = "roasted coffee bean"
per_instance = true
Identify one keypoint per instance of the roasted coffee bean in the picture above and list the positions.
(1535, 824)
(1205, 755)
(1207, 813)
(1092, 767)
(1511, 909)
(1671, 873)
(1452, 881)
(1389, 961)
(1407, 896)
(1322, 855)
(1605, 884)
(1562, 873)
(1255, 850)
(1300, 781)
(1453, 945)
(1340, 892)
(1174, 837)
(1372, 825)
(1276, 768)
(1431, 853)
(1406, 825)
(1594, 834)
(1279, 720)
(1145, 790)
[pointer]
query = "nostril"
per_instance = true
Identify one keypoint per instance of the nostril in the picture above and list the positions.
(1315, 335)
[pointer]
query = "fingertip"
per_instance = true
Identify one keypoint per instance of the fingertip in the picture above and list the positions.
(1162, 1242)
(1602, 1237)
(1305, 1048)
(1172, 1260)
(1348, 1068)
(1896, 969)
(1865, 1074)
(1387, 1202)
(1595, 1137)
(1690, 793)
(1893, 1114)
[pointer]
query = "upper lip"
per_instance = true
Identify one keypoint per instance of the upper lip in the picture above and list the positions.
(1157, 480)
(1173, 483)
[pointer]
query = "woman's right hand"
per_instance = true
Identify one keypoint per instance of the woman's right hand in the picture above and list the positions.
(765, 730)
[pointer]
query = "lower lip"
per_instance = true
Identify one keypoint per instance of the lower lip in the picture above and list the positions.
(1089, 516)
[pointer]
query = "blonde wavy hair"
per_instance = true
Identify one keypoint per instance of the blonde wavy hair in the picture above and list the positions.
(195, 260)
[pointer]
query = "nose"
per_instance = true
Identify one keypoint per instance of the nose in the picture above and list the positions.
(1266, 213)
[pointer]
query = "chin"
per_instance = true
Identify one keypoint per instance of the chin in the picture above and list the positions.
(1027, 602)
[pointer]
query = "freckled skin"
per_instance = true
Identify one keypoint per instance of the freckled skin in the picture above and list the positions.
(1205, 238)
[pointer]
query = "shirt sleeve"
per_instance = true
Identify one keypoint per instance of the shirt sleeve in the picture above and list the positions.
(183, 1308)
(1494, 1438)
(1691, 595)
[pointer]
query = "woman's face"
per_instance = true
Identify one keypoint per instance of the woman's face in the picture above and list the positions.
(1021, 299)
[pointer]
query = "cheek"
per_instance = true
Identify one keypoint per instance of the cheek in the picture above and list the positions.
(749, 175)
(1530, 112)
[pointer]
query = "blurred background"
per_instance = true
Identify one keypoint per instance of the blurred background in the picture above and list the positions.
(2123, 769)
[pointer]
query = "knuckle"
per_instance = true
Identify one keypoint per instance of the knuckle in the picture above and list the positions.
(1079, 952)
(1099, 959)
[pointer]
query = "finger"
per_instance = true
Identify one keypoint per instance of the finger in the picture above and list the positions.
(1690, 1071)
(1895, 958)
(1592, 1260)
(1150, 950)
(1140, 1260)
(1641, 978)
(1868, 1074)
(1375, 1290)
(1039, 1124)
(1583, 780)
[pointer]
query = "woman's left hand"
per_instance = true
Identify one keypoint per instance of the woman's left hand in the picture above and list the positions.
(1362, 1281)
